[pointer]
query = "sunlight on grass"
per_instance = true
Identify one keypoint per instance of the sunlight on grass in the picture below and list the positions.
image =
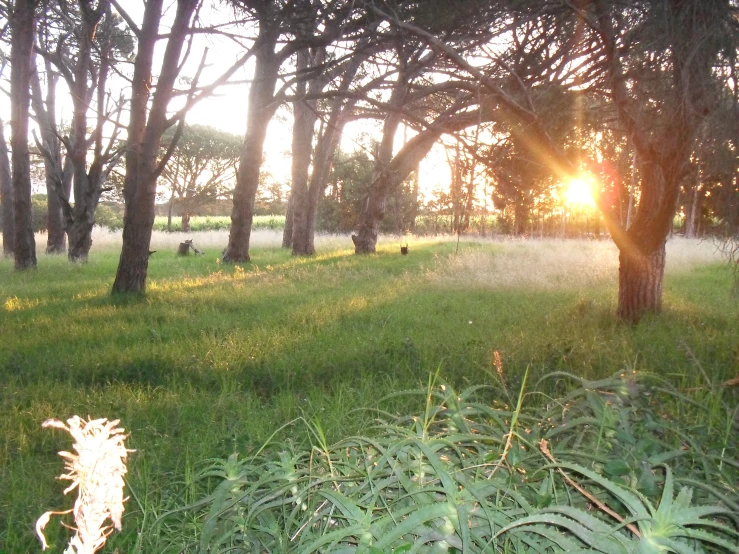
(559, 264)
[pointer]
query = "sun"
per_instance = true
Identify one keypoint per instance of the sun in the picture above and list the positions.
(579, 191)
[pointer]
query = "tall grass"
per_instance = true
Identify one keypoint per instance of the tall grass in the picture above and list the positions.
(217, 358)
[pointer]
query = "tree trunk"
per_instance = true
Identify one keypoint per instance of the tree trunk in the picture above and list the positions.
(640, 278)
(56, 239)
(144, 139)
(287, 231)
(691, 212)
(58, 173)
(373, 209)
(22, 33)
(185, 222)
(261, 109)
(80, 239)
(6, 196)
(302, 148)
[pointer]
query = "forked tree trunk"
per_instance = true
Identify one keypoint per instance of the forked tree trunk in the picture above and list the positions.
(6, 196)
(640, 278)
(144, 139)
(22, 33)
(261, 109)
(373, 209)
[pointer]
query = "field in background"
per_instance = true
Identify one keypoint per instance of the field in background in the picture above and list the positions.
(216, 358)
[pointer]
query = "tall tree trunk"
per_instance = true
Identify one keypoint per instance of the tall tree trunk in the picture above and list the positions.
(302, 148)
(640, 278)
(45, 109)
(56, 239)
(144, 139)
(6, 195)
(22, 33)
(261, 109)
(185, 222)
(58, 173)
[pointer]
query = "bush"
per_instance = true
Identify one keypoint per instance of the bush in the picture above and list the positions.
(220, 223)
(108, 218)
(595, 470)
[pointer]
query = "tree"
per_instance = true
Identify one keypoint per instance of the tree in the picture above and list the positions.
(658, 58)
(22, 27)
(56, 165)
(84, 55)
(6, 196)
(278, 22)
(202, 168)
(147, 124)
(309, 185)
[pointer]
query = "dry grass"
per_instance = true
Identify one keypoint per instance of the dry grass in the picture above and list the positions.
(213, 242)
(557, 263)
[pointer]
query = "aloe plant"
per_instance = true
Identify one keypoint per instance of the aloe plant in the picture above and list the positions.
(469, 475)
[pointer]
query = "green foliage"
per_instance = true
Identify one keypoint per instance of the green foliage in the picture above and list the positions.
(217, 358)
(471, 476)
(221, 223)
(108, 217)
(349, 183)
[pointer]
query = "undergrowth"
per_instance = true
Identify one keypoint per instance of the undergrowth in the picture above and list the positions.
(217, 358)
(602, 469)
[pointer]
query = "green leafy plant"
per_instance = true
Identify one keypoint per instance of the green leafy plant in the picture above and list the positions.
(473, 475)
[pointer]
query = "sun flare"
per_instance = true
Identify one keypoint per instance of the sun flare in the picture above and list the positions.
(579, 191)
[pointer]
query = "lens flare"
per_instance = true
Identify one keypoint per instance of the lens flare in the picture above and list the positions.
(579, 191)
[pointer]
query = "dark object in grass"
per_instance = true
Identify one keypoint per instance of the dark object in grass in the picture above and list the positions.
(152, 252)
(404, 250)
(184, 248)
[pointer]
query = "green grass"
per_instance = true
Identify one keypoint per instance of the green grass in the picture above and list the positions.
(216, 358)
(220, 223)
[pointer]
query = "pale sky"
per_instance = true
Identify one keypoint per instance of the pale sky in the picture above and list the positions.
(226, 109)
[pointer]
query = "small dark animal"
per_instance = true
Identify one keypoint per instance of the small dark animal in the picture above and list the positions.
(404, 250)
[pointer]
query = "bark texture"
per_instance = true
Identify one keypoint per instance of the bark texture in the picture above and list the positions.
(640, 278)
(6, 195)
(22, 32)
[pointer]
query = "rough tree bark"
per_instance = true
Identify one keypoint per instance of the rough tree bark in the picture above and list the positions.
(6, 195)
(21, 55)
(144, 137)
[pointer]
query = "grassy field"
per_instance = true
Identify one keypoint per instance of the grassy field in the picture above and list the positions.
(216, 358)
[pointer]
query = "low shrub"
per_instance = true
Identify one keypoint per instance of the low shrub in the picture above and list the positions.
(604, 468)
(220, 223)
